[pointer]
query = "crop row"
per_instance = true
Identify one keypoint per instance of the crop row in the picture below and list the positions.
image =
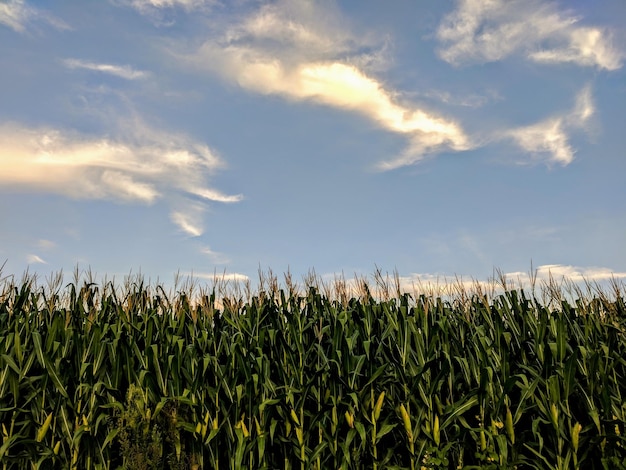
(93, 379)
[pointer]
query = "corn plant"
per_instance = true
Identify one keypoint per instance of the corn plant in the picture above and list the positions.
(99, 376)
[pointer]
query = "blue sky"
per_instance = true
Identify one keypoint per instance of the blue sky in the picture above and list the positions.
(200, 136)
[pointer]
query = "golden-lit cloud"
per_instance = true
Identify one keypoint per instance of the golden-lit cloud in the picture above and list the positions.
(279, 51)
(152, 165)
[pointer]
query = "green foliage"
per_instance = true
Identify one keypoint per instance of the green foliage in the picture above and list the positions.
(94, 377)
(140, 439)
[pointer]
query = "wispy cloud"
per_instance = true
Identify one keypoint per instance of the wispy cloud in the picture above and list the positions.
(586, 47)
(472, 100)
(188, 217)
(122, 71)
(186, 224)
(546, 138)
(162, 12)
(290, 51)
(34, 259)
(219, 277)
(46, 244)
(143, 5)
(583, 110)
(140, 167)
(16, 14)
(215, 256)
(549, 138)
(486, 31)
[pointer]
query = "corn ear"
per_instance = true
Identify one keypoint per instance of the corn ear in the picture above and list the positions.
(508, 425)
(379, 405)
(349, 418)
(575, 435)
(554, 412)
(294, 416)
(242, 425)
(406, 420)
(44, 428)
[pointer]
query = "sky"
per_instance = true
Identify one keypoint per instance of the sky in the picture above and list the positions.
(436, 139)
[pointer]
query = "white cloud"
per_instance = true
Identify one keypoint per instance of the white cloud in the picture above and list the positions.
(214, 195)
(139, 168)
(34, 259)
(189, 220)
(145, 5)
(452, 285)
(486, 31)
(583, 279)
(472, 100)
(549, 138)
(298, 31)
(585, 47)
(280, 51)
(46, 244)
(16, 14)
(577, 274)
(215, 256)
(584, 108)
(219, 277)
(123, 71)
(545, 138)
(156, 10)
(187, 224)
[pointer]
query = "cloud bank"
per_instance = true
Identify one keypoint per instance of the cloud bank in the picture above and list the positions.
(545, 275)
(481, 31)
(141, 168)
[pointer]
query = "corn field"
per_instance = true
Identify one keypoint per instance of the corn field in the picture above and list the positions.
(93, 376)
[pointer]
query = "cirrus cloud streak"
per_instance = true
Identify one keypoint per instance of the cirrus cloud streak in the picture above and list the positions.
(17, 15)
(122, 71)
